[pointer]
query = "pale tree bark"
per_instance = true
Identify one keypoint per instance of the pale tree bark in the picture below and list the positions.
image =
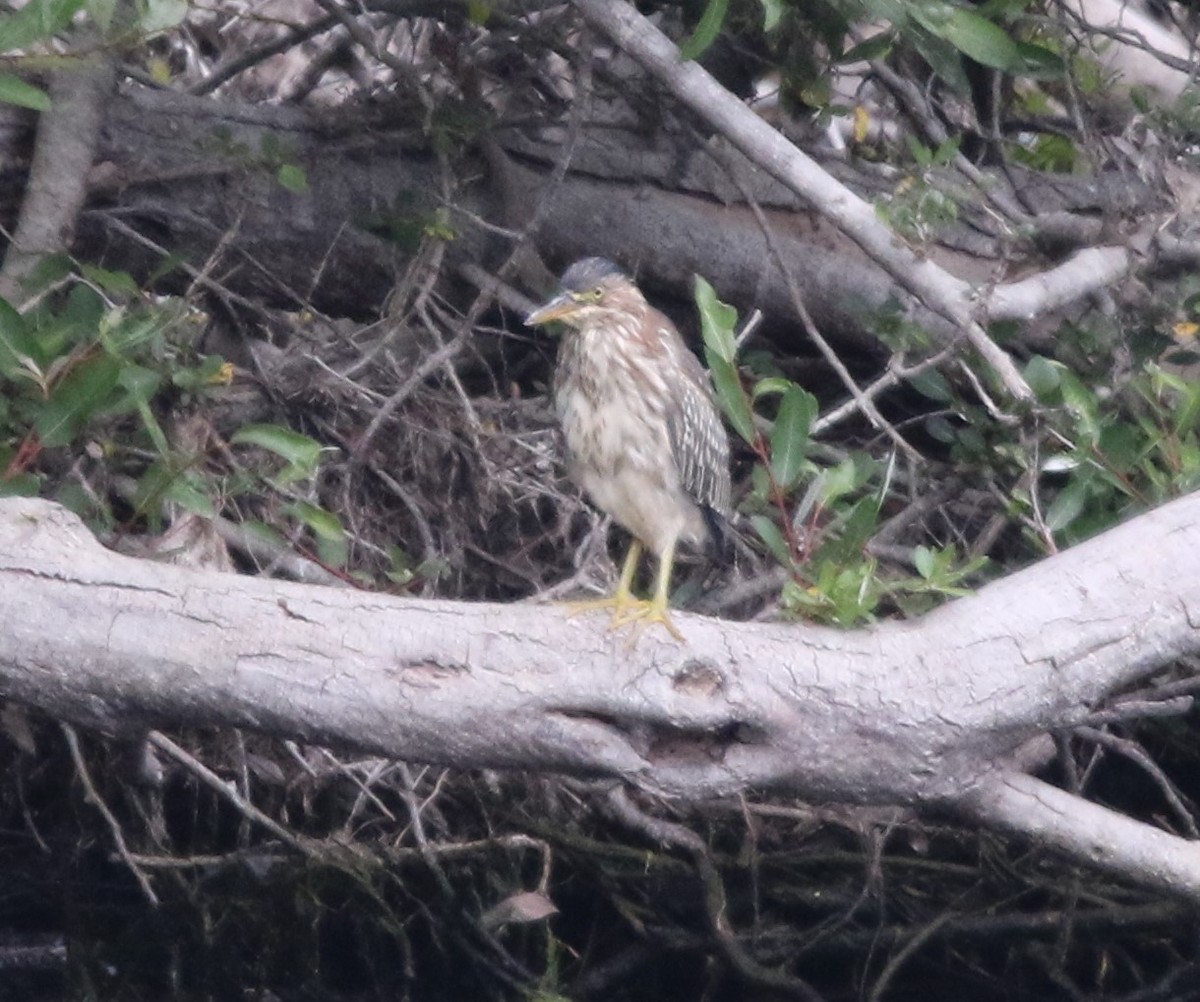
(66, 145)
(929, 713)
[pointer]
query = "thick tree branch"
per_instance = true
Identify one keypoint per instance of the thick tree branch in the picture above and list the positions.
(183, 171)
(918, 713)
(1084, 273)
(1087, 832)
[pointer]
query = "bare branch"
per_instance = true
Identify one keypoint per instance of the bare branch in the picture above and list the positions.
(1090, 270)
(1087, 832)
(767, 147)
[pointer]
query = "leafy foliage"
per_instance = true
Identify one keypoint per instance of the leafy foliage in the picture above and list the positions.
(1113, 454)
(807, 39)
(816, 521)
(27, 35)
(91, 369)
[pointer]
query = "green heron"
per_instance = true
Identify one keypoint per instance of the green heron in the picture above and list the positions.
(643, 436)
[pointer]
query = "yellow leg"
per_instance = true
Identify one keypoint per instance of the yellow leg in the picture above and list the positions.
(629, 609)
(623, 597)
(657, 609)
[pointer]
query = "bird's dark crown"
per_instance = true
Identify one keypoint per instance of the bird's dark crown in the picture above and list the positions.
(587, 274)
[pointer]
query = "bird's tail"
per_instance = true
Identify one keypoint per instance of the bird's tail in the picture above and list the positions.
(722, 537)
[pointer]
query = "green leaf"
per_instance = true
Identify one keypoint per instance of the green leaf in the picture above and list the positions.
(946, 151)
(37, 21)
(1039, 62)
(293, 178)
(83, 502)
(859, 525)
(82, 392)
(1068, 506)
(1122, 446)
(731, 396)
(479, 12)
(925, 561)
(1187, 410)
(1056, 154)
(212, 370)
(922, 155)
(141, 384)
(894, 11)
(266, 535)
(190, 496)
(123, 330)
(14, 90)
(323, 523)
(944, 57)
(153, 428)
(970, 34)
(983, 41)
(932, 384)
(940, 430)
(17, 347)
(706, 31)
(837, 481)
(769, 385)
(152, 485)
(297, 449)
(769, 533)
(76, 321)
(1081, 401)
(22, 485)
(772, 12)
(875, 47)
(116, 282)
(1043, 376)
(49, 271)
(402, 565)
(789, 436)
(325, 526)
(162, 14)
(717, 320)
(102, 12)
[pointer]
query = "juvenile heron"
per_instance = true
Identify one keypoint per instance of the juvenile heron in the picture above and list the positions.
(644, 439)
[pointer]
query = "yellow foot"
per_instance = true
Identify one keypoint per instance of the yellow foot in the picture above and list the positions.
(628, 610)
(617, 603)
(645, 613)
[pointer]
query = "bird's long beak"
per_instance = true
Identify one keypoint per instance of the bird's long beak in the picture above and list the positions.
(562, 305)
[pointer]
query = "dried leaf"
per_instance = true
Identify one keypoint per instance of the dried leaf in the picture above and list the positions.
(524, 906)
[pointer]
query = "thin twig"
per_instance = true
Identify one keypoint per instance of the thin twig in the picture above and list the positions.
(250, 58)
(226, 791)
(620, 807)
(1137, 755)
(114, 826)
(901, 956)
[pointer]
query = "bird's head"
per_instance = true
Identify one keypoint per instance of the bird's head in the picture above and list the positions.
(591, 291)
